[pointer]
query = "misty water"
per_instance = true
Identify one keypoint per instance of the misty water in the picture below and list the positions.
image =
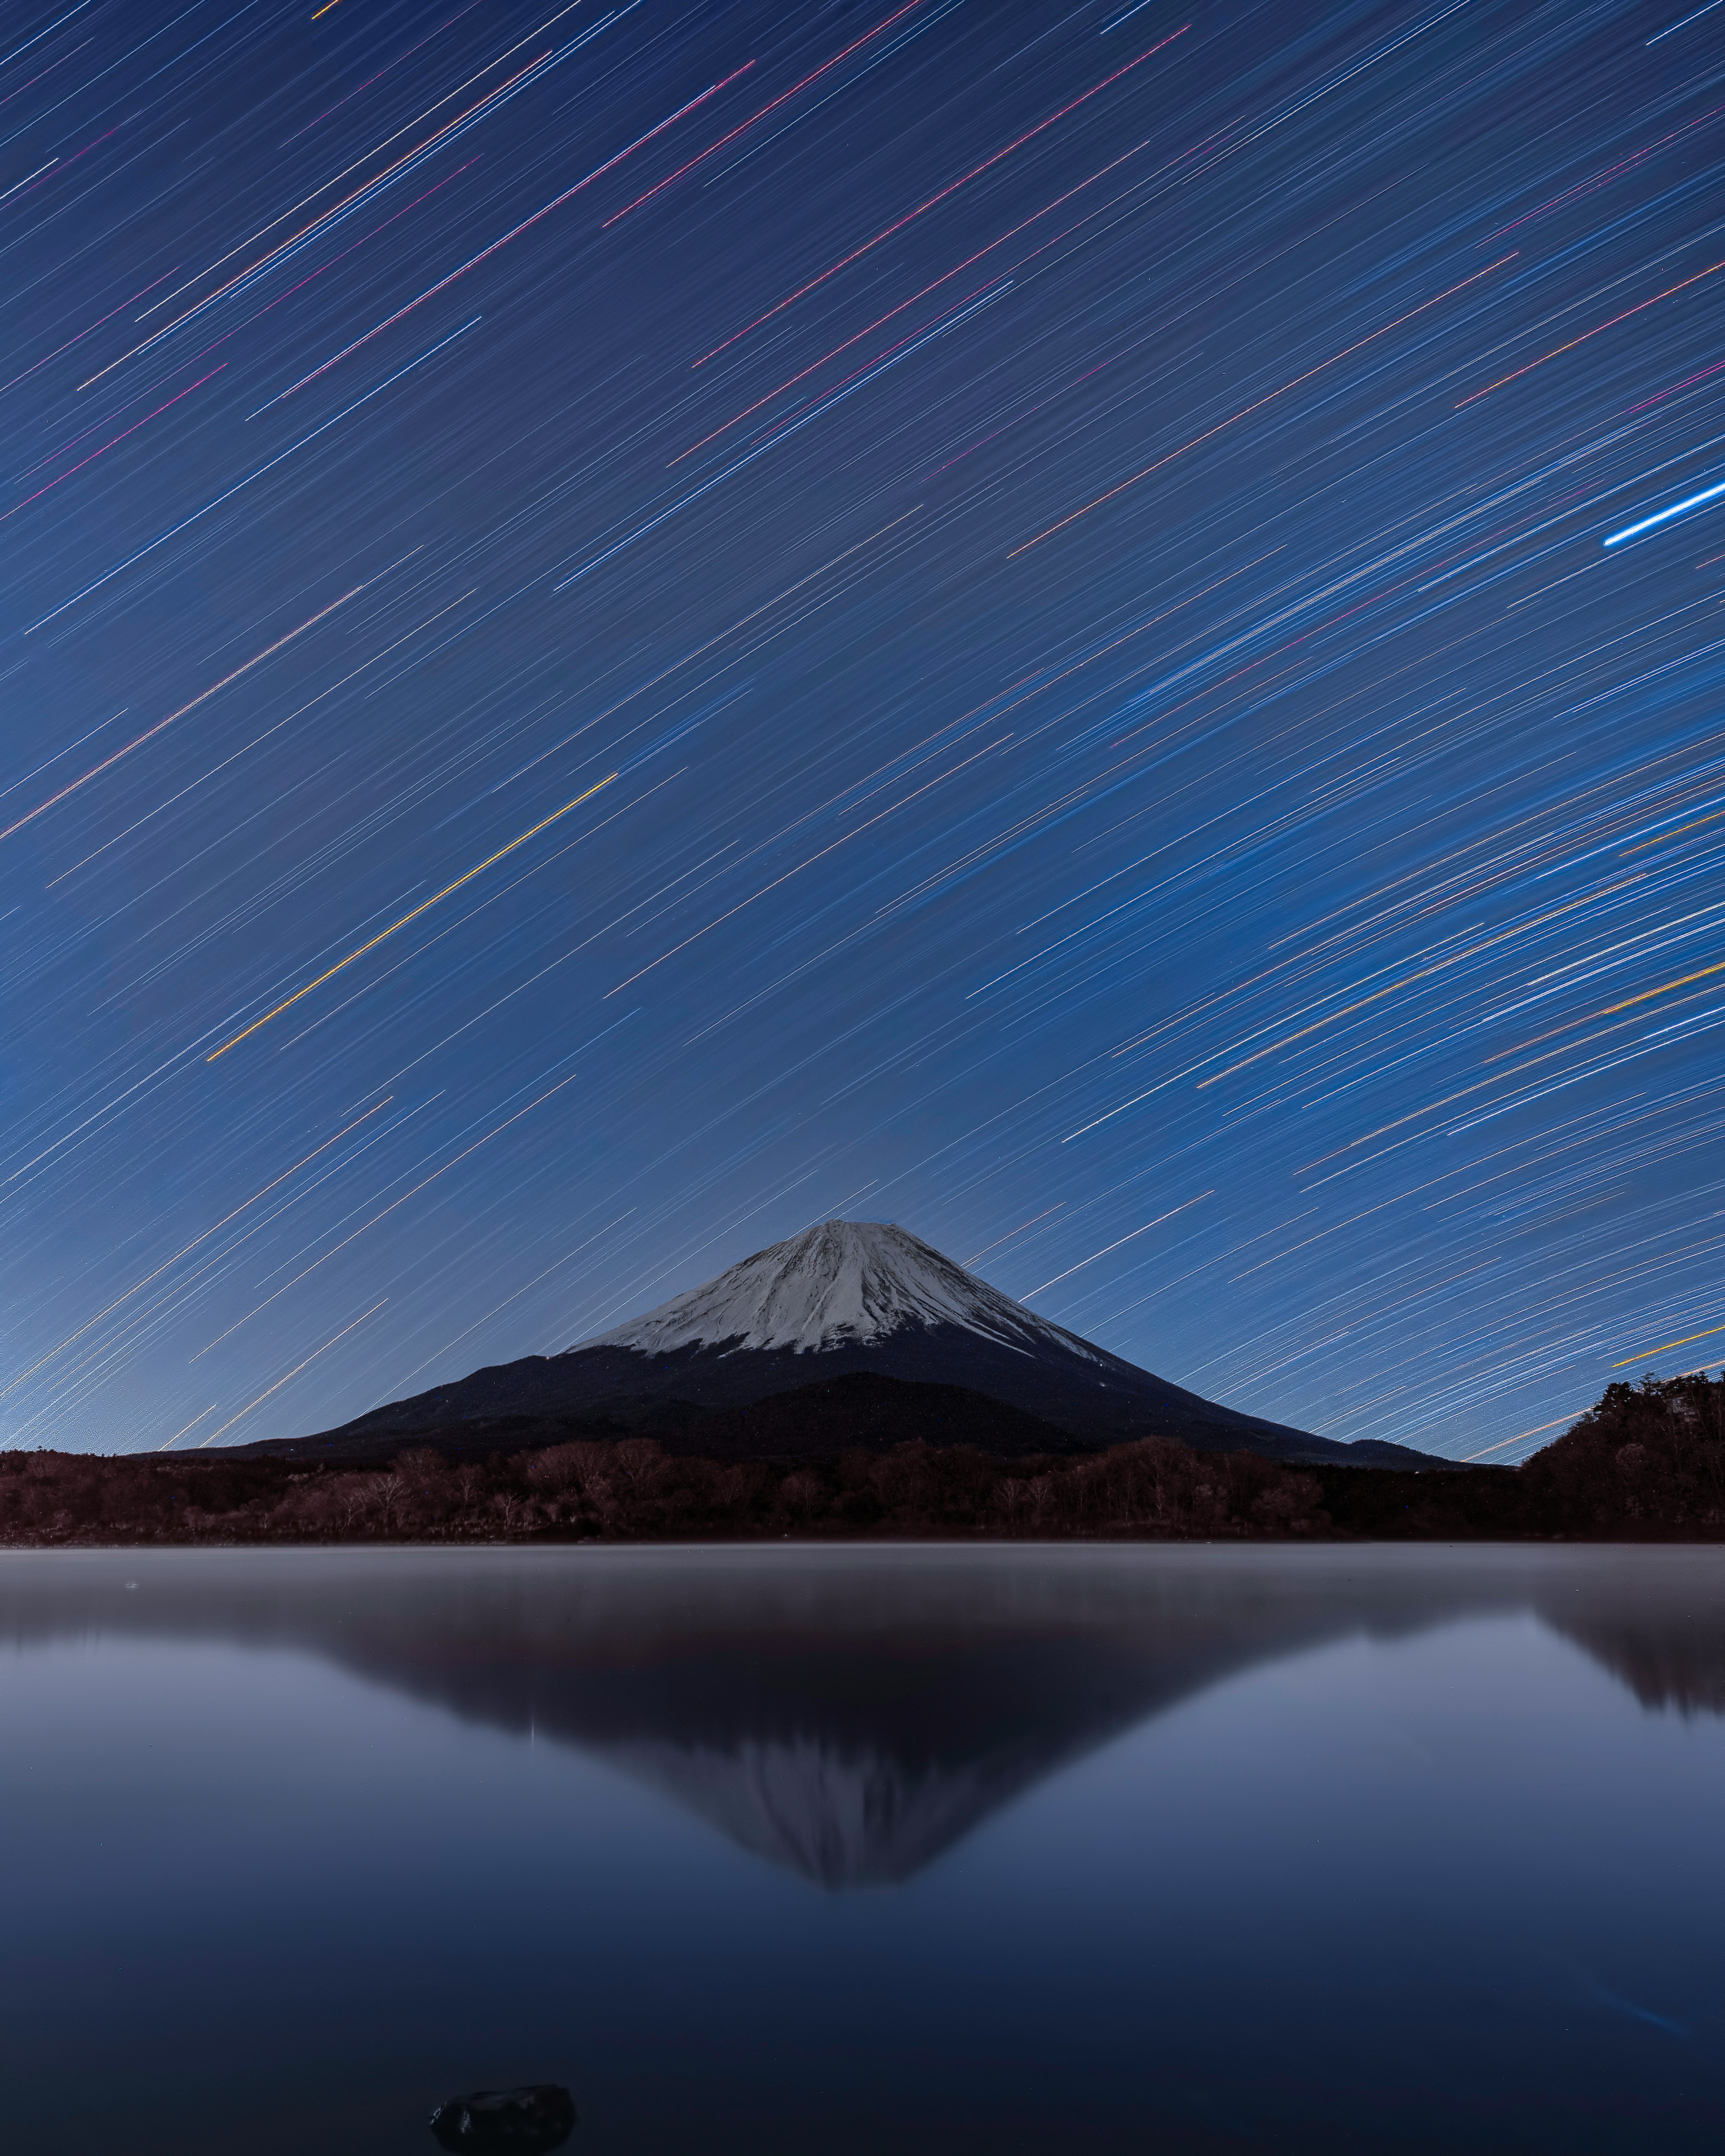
(912, 1849)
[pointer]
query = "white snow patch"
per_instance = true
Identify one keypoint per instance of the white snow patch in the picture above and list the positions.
(832, 1286)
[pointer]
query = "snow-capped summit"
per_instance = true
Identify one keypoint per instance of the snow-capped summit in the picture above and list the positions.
(839, 1285)
(845, 1300)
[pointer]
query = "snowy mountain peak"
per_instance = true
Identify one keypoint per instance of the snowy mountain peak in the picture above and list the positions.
(835, 1285)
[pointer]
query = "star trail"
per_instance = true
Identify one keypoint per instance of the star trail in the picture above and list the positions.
(1096, 630)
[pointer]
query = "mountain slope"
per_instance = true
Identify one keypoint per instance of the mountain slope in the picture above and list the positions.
(849, 1296)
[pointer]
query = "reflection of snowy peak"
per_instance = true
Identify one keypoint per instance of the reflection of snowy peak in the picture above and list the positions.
(847, 1818)
(839, 1285)
(852, 1712)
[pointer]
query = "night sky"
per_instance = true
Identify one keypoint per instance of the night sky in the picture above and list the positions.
(623, 630)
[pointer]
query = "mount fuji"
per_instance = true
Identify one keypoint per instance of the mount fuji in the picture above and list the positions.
(828, 1316)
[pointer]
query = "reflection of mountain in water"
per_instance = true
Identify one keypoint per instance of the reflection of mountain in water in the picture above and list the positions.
(1662, 1665)
(853, 1713)
(845, 1818)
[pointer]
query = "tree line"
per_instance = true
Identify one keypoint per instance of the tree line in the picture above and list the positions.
(1647, 1462)
(629, 1489)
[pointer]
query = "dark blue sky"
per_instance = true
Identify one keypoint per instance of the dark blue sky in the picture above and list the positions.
(1071, 544)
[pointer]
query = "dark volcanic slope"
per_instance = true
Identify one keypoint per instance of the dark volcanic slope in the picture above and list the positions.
(865, 1410)
(848, 1298)
(626, 1389)
(862, 1411)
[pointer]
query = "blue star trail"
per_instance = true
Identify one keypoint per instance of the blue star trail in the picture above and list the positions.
(1097, 630)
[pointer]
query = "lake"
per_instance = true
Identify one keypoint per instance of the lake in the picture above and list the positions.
(866, 1849)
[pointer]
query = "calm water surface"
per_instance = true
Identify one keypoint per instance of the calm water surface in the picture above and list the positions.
(869, 1850)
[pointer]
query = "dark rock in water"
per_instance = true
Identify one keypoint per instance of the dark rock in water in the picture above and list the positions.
(518, 2119)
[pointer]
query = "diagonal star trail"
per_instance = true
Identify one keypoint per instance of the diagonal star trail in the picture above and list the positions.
(1095, 628)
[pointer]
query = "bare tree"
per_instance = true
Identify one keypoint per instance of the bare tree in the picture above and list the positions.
(739, 1484)
(563, 1468)
(384, 1496)
(1012, 1496)
(801, 1493)
(351, 1500)
(638, 1461)
(514, 1512)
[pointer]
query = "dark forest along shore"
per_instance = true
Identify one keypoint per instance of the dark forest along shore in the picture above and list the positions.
(1647, 1463)
(933, 1848)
